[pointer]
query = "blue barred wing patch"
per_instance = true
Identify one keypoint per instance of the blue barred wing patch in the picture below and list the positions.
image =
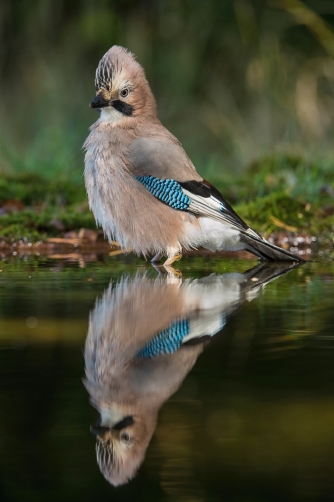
(167, 341)
(168, 191)
(193, 196)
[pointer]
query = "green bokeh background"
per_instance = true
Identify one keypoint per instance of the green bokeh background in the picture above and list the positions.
(234, 79)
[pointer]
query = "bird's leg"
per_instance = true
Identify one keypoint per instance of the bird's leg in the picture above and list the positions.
(119, 251)
(174, 257)
(173, 276)
(159, 268)
(157, 257)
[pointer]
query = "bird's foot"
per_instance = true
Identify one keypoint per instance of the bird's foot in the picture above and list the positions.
(171, 259)
(119, 251)
(173, 276)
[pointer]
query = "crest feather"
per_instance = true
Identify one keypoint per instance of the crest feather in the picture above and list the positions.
(111, 63)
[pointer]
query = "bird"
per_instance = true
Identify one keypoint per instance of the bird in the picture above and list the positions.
(144, 336)
(142, 187)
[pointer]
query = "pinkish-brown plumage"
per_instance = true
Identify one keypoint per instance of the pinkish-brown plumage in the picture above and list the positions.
(120, 383)
(128, 141)
(121, 205)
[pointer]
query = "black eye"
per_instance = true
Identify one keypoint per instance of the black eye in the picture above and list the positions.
(124, 93)
(125, 437)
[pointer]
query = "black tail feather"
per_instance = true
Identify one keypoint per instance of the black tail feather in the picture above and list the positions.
(263, 249)
(264, 273)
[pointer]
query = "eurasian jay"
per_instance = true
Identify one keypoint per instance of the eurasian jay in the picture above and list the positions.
(142, 187)
(144, 336)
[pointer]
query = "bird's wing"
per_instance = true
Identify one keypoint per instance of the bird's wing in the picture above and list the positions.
(190, 330)
(206, 200)
(163, 167)
(197, 197)
(167, 341)
(162, 157)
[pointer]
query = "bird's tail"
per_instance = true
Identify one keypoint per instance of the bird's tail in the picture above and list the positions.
(263, 249)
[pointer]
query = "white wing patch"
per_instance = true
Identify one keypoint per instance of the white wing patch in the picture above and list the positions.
(208, 324)
(213, 208)
(211, 202)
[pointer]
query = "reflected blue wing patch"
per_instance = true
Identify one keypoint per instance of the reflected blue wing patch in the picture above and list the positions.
(167, 341)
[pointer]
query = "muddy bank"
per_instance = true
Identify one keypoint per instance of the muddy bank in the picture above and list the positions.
(87, 242)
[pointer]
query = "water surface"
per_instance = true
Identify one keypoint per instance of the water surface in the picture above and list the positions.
(226, 373)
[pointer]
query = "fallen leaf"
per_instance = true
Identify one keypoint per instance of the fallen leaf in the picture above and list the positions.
(281, 224)
(89, 235)
(11, 205)
(72, 234)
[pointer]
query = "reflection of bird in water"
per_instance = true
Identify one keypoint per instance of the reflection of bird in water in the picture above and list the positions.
(144, 337)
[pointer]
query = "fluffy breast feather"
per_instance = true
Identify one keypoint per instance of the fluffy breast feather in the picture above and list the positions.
(126, 211)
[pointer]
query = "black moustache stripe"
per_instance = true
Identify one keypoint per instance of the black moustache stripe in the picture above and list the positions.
(122, 107)
(122, 424)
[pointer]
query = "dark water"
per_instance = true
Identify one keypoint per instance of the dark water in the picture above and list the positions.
(217, 386)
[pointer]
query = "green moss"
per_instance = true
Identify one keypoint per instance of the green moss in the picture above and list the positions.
(279, 205)
(289, 188)
(32, 190)
(285, 188)
(38, 225)
(51, 207)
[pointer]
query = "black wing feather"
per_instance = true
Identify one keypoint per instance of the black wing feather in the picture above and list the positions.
(205, 189)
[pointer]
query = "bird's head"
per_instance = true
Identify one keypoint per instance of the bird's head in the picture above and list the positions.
(120, 449)
(122, 91)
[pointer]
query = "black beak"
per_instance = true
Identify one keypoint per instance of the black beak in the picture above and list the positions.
(99, 102)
